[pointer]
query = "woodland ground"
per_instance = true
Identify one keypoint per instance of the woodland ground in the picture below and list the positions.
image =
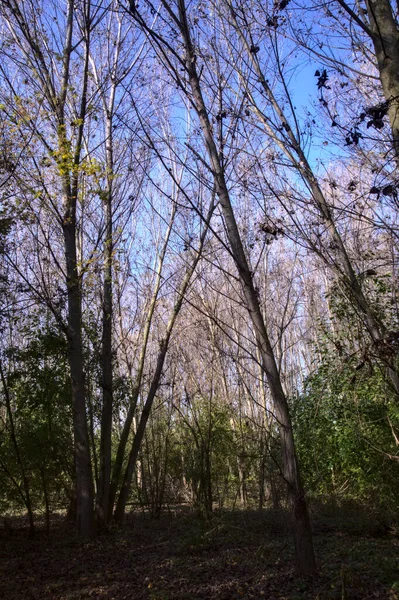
(238, 555)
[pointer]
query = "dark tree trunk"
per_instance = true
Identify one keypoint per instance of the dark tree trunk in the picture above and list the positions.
(305, 560)
(119, 513)
(84, 479)
(104, 480)
(46, 499)
(385, 37)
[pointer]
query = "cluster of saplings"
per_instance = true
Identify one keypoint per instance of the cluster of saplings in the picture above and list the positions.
(198, 451)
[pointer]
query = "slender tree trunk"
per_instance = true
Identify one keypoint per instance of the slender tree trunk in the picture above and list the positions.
(120, 455)
(164, 469)
(207, 479)
(46, 499)
(92, 439)
(138, 438)
(383, 31)
(125, 489)
(305, 560)
(241, 480)
(69, 169)
(104, 480)
(381, 10)
(25, 481)
(273, 491)
(71, 512)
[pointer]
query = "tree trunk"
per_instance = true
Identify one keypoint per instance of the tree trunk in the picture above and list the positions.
(206, 476)
(46, 499)
(385, 37)
(119, 513)
(84, 479)
(241, 481)
(125, 489)
(70, 174)
(384, 33)
(262, 469)
(305, 560)
(104, 480)
(382, 12)
(274, 492)
(120, 455)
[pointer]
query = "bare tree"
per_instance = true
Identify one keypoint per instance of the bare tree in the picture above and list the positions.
(281, 126)
(191, 264)
(192, 88)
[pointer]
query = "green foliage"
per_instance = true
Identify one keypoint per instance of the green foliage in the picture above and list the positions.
(192, 451)
(350, 325)
(155, 459)
(39, 390)
(344, 423)
(207, 442)
(346, 420)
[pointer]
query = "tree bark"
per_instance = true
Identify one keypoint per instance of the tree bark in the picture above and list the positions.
(385, 37)
(104, 479)
(119, 513)
(69, 174)
(83, 470)
(305, 559)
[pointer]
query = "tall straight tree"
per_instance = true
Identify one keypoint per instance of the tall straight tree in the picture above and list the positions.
(179, 53)
(29, 33)
(110, 74)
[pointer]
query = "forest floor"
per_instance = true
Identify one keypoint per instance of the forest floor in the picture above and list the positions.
(239, 555)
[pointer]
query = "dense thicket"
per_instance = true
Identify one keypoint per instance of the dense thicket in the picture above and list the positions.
(199, 257)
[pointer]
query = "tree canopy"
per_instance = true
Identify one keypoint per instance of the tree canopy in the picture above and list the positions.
(199, 257)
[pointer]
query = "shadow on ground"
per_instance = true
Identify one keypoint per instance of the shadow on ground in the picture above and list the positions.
(239, 555)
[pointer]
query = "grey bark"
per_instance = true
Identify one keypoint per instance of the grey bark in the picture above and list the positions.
(305, 559)
(83, 468)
